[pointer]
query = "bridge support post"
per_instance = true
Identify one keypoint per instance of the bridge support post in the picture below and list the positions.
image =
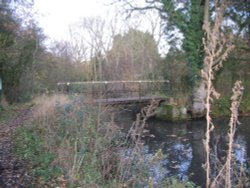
(140, 90)
(106, 91)
(67, 88)
(92, 89)
(123, 87)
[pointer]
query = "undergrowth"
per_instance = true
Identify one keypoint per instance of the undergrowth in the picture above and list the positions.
(221, 106)
(70, 143)
(29, 145)
(8, 112)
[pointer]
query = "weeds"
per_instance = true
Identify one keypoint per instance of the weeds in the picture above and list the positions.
(29, 145)
(217, 48)
(70, 144)
(72, 136)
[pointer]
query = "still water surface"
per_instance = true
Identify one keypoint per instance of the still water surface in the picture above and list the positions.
(182, 146)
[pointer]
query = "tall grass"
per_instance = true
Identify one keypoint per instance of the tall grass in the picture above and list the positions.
(70, 143)
(77, 145)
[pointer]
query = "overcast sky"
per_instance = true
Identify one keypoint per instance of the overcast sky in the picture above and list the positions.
(55, 16)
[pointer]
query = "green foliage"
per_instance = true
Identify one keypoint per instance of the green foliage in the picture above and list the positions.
(66, 137)
(175, 183)
(221, 107)
(189, 20)
(29, 146)
(18, 48)
(245, 105)
(7, 113)
(239, 12)
(70, 141)
(7, 41)
(235, 68)
(175, 69)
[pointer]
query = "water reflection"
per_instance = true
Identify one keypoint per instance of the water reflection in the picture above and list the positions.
(182, 145)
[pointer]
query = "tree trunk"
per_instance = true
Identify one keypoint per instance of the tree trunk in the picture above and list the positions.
(206, 12)
(200, 92)
(198, 108)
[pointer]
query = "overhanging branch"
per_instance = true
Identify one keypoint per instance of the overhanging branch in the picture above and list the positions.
(130, 7)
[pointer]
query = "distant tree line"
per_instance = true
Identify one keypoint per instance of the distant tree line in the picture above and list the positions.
(28, 67)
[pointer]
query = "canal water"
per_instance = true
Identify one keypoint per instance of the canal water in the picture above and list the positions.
(182, 146)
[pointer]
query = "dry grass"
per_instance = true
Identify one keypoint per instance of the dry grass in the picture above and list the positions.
(87, 149)
(46, 105)
(90, 152)
(64, 155)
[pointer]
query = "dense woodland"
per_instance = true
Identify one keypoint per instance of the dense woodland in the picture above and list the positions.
(209, 45)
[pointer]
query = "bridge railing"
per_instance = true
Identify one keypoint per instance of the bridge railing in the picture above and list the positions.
(117, 89)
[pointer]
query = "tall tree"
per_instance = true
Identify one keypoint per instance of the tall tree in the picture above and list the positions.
(180, 17)
(19, 44)
(239, 12)
(88, 36)
(134, 55)
(187, 18)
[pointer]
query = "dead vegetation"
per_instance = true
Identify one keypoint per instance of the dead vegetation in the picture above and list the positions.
(217, 47)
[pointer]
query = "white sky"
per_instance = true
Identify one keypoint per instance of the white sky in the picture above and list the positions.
(55, 16)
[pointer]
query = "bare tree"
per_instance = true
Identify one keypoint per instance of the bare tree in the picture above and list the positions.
(76, 46)
(92, 38)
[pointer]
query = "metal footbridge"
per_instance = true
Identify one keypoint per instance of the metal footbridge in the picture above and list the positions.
(118, 92)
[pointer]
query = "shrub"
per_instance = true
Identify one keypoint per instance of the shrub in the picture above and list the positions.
(29, 145)
(221, 107)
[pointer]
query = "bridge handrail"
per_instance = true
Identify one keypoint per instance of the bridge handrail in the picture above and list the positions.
(112, 82)
(102, 89)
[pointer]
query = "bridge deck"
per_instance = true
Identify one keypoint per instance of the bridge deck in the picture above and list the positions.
(129, 100)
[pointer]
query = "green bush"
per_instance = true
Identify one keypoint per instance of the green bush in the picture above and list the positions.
(174, 182)
(221, 107)
(29, 145)
(245, 104)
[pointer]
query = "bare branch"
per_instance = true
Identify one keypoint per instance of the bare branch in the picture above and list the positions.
(130, 7)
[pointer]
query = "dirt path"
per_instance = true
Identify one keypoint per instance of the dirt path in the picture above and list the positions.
(12, 170)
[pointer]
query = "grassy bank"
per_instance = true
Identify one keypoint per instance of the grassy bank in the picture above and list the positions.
(71, 144)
